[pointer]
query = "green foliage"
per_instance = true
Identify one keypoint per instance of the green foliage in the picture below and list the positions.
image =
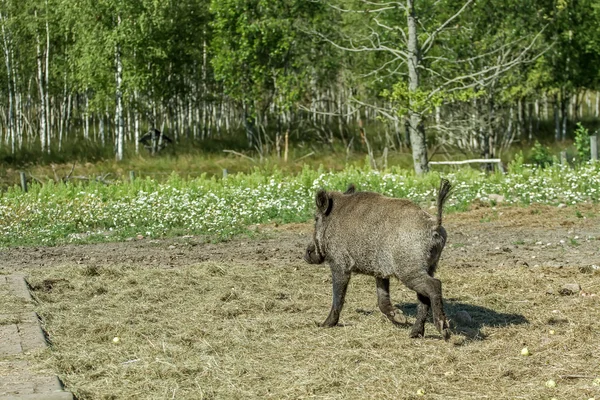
(191, 62)
(260, 51)
(517, 165)
(425, 101)
(541, 155)
(582, 143)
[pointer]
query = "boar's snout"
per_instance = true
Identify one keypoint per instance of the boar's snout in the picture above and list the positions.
(312, 256)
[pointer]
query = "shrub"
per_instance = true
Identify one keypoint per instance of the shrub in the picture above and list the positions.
(541, 155)
(582, 143)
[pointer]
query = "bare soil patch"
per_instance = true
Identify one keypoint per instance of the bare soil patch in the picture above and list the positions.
(239, 319)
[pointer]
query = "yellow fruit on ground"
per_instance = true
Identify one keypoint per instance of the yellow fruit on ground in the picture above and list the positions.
(551, 383)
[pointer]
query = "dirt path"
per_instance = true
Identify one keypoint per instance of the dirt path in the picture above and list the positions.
(482, 237)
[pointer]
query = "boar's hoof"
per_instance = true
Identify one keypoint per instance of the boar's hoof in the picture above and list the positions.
(444, 329)
(416, 332)
(328, 324)
(397, 318)
(446, 334)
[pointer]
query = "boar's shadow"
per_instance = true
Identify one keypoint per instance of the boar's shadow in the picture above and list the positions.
(480, 317)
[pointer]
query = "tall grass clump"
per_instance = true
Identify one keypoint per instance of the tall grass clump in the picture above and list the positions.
(63, 213)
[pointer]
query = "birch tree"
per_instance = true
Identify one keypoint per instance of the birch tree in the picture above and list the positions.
(417, 55)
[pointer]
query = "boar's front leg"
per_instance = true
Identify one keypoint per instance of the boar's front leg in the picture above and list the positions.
(383, 300)
(340, 281)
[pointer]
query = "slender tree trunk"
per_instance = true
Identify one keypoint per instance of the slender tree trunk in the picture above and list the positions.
(509, 126)
(119, 100)
(520, 118)
(86, 127)
(556, 118)
(190, 119)
(564, 112)
(128, 124)
(537, 117)
(484, 131)
(43, 114)
(417, 129)
(68, 117)
(46, 82)
(491, 132)
(63, 114)
(101, 129)
(17, 131)
(204, 87)
(588, 102)
(530, 121)
(10, 115)
(136, 122)
(18, 112)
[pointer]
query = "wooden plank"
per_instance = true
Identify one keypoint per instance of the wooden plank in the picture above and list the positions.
(461, 162)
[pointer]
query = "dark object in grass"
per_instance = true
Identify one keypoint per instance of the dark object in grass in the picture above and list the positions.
(367, 233)
(155, 141)
(569, 289)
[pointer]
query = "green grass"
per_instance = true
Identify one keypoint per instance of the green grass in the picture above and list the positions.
(57, 213)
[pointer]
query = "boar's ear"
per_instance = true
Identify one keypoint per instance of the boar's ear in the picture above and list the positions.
(351, 189)
(324, 202)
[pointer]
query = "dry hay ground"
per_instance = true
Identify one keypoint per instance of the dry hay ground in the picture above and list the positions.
(239, 320)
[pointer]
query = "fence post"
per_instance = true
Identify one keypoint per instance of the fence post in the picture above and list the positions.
(594, 147)
(563, 158)
(131, 176)
(224, 173)
(23, 181)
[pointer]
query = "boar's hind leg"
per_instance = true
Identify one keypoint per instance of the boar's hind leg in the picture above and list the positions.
(383, 300)
(418, 329)
(430, 287)
(340, 284)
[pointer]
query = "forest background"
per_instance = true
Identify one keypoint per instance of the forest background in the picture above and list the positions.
(329, 81)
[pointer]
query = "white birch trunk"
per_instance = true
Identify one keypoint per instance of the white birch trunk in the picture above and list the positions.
(537, 116)
(41, 80)
(417, 131)
(47, 75)
(530, 121)
(101, 129)
(588, 102)
(86, 127)
(556, 119)
(63, 114)
(565, 110)
(10, 134)
(204, 87)
(19, 113)
(119, 99)
(509, 127)
(136, 123)
(128, 131)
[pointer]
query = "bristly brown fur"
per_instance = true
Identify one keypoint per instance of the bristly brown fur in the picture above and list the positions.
(367, 233)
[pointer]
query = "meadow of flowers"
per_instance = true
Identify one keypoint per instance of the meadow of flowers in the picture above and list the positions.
(64, 213)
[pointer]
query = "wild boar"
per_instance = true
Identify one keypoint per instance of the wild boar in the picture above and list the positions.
(368, 233)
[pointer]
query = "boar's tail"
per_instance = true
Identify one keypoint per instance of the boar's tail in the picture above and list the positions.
(441, 199)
